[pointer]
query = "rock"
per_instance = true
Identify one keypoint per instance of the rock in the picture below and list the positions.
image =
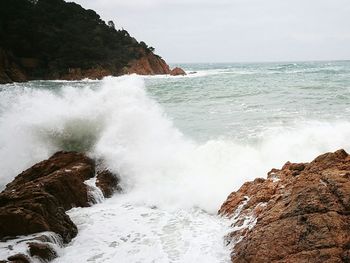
(19, 258)
(42, 251)
(36, 200)
(177, 72)
(10, 70)
(147, 64)
(300, 213)
(107, 182)
(92, 73)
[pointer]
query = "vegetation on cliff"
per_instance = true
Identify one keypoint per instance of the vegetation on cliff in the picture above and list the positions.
(48, 39)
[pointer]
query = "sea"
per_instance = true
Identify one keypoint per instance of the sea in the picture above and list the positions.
(180, 146)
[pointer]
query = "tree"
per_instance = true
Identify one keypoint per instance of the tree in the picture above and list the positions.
(111, 24)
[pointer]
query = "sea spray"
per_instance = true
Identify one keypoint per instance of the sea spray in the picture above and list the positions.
(117, 121)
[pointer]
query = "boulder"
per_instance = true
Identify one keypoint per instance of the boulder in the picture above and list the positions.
(300, 213)
(36, 200)
(43, 251)
(177, 72)
(19, 258)
(107, 182)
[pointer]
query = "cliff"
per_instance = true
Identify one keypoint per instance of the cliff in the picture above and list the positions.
(300, 213)
(54, 39)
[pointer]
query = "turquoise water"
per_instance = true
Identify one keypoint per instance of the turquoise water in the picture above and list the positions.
(242, 100)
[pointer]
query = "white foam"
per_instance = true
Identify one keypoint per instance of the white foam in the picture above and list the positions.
(95, 194)
(19, 245)
(118, 122)
(173, 186)
(117, 231)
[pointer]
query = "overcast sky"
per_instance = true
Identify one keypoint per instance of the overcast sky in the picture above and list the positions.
(234, 30)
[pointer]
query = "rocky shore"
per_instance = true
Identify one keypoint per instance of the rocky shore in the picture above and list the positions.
(13, 69)
(300, 213)
(34, 203)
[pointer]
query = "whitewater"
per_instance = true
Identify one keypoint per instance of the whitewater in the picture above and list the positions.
(180, 145)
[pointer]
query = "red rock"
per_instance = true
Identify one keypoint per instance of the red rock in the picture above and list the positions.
(301, 213)
(147, 64)
(36, 200)
(177, 72)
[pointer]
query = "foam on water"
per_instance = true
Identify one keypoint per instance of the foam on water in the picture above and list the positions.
(172, 185)
(119, 231)
(119, 123)
(19, 245)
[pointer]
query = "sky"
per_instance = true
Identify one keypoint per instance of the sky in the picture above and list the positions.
(185, 31)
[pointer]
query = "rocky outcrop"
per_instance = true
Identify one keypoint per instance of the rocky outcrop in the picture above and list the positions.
(36, 200)
(151, 64)
(300, 213)
(177, 72)
(147, 64)
(12, 70)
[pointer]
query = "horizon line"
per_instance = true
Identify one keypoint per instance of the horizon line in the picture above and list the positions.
(265, 61)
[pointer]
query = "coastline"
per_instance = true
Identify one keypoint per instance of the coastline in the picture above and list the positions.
(299, 198)
(12, 70)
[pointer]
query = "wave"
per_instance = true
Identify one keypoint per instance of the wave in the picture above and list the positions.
(118, 122)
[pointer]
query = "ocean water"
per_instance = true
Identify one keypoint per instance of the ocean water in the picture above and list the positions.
(179, 144)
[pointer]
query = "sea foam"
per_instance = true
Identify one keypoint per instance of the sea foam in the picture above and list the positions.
(119, 123)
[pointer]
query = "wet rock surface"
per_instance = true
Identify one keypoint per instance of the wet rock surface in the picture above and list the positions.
(18, 258)
(36, 200)
(300, 213)
(42, 251)
(33, 221)
(107, 182)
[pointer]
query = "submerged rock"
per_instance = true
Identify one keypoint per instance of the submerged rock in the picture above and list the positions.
(42, 251)
(300, 213)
